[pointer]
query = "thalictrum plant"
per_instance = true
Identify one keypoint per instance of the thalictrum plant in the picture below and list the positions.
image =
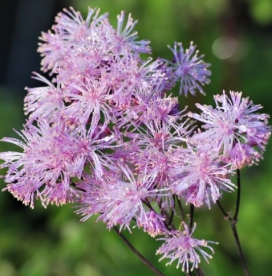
(106, 134)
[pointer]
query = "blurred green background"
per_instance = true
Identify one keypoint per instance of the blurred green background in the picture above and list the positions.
(236, 38)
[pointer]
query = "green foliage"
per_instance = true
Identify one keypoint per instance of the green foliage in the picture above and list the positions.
(261, 11)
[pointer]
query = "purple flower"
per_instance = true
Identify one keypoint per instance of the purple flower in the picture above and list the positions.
(153, 223)
(88, 103)
(43, 170)
(68, 37)
(181, 247)
(44, 102)
(156, 145)
(129, 35)
(200, 176)
(145, 107)
(233, 129)
(77, 45)
(129, 79)
(190, 69)
(118, 198)
(52, 155)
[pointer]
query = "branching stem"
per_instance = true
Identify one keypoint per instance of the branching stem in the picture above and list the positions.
(233, 221)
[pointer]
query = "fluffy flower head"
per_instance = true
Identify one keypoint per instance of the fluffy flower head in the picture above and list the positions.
(181, 247)
(234, 129)
(201, 177)
(190, 69)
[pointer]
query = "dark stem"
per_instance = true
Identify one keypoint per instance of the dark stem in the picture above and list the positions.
(239, 247)
(199, 272)
(189, 273)
(237, 207)
(226, 216)
(233, 221)
(172, 213)
(191, 222)
(171, 219)
(137, 253)
(181, 210)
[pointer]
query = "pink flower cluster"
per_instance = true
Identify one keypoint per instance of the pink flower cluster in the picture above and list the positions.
(106, 134)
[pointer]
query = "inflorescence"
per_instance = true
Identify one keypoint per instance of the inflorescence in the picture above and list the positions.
(106, 134)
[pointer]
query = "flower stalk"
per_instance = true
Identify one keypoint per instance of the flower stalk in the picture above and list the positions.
(233, 221)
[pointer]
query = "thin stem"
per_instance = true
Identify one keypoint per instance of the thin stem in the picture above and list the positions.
(191, 222)
(199, 272)
(233, 224)
(181, 210)
(233, 221)
(190, 273)
(237, 207)
(137, 253)
(172, 214)
(239, 247)
(222, 209)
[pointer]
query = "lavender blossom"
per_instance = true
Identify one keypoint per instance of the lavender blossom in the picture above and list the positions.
(51, 156)
(43, 170)
(44, 102)
(156, 146)
(68, 37)
(233, 129)
(190, 69)
(118, 198)
(98, 68)
(201, 176)
(182, 247)
(129, 35)
(153, 223)
(74, 41)
(88, 103)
